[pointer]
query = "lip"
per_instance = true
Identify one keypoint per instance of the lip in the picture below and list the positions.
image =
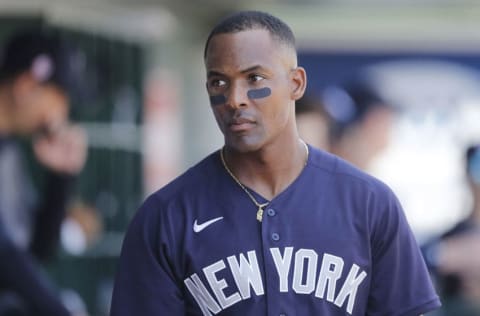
(240, 124)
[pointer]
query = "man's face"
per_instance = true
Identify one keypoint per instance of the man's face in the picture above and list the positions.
(250, 79)
(41, 108)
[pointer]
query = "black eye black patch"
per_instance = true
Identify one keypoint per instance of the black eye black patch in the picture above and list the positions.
(259, 93)
(218, 99)
(252, 94)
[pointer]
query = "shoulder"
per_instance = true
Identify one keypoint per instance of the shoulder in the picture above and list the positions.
(355, 193)
(343, 175)
(184, 189)
(163, 215)
(193, 181)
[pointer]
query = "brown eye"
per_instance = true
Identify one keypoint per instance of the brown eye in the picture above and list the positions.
(216, 86)
(255, 78)
(218, 83)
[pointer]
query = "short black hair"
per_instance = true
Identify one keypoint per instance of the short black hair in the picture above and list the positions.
(251, 20)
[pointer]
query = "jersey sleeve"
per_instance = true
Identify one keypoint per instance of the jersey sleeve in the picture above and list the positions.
(401, 284)
(50, 214)
(145, 283)
(20, 275)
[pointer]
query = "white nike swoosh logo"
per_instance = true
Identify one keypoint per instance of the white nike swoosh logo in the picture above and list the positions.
(199, 227)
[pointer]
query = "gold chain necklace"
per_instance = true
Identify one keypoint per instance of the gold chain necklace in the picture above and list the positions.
(259, 205)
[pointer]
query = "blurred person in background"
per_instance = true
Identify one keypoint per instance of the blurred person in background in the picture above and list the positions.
(35, 75)
(361, 121)
(454, 257)
(313, 122)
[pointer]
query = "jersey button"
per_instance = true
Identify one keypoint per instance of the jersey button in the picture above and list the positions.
(271, 212)
(282, 314)
(275, 237)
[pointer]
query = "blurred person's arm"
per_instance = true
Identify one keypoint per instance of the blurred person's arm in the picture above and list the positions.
(457, 259)
(63, 153)
(457, 252)
(19, 274)
(50, 214)
(460, 255)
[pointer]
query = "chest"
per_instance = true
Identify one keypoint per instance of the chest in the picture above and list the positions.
(314, 251)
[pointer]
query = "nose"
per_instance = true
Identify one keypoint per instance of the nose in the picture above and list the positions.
(237, 96)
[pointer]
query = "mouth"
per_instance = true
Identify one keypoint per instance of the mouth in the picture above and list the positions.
(241, 124)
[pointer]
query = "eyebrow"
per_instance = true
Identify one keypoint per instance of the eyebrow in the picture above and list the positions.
(213, 73)
(250, 69)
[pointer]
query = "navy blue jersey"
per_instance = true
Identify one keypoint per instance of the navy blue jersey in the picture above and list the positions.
(335, 242)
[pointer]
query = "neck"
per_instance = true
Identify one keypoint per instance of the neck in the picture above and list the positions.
(5, 111)
(269, 170)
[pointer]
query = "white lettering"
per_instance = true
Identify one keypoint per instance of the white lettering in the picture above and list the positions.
(282, 265)
(330, 272)
(200, 294)
(245, 269)
(311, 257)
(350, 288)
(246, 273)
(218, 285)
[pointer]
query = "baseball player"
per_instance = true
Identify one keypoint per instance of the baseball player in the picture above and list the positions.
(36, 80)
(454, 256)
(268, 225)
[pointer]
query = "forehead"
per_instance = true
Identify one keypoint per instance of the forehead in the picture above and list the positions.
(240, 50)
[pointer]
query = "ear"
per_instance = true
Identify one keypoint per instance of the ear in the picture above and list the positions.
(299, 82)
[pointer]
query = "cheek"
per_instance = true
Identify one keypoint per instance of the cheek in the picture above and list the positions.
(30, 114)
(217, 113)
(57, 108)
(278, 107)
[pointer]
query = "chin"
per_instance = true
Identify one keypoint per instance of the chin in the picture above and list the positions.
(244, 144)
